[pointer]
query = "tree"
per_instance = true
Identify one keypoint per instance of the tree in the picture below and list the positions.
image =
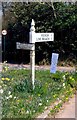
(59, 18)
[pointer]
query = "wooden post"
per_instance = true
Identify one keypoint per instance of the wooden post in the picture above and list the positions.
(32, 52)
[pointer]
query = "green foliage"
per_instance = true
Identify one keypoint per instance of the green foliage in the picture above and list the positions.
(63, 24)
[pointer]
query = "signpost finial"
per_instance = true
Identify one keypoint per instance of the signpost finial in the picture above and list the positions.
(32, 23)
(32, 26)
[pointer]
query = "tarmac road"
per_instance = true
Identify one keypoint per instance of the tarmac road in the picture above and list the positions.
(68, 110)
(41, 67)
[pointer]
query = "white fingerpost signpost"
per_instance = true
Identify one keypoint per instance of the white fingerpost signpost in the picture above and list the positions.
(34, 37)
(32, 52)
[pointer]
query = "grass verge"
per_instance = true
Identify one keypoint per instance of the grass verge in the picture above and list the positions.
(20, 101)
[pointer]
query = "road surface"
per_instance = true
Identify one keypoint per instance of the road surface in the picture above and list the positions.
(68, 109)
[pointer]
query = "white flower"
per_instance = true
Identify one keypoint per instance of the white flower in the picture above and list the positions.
(45, 107)
(1, 91)
(7, 98)
(58, 98)
(60, 101)
(56, 103)
(34, 111)
(27, 111)
(63, 84)
(10, 96)
(9, 92)
(47, 100)
(40, 104)
(64, 77)
(15, 97)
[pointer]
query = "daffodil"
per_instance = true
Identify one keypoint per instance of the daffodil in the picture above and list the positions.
(7, 79)
(3, 78)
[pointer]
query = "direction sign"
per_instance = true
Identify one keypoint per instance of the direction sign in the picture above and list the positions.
(25, 46)
(4, 32)
(42, 37)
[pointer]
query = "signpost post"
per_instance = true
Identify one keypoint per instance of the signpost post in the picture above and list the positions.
(4, 32)
(32, 53)
(34, 37)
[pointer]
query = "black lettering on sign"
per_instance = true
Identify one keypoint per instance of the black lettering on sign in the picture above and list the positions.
(44, 35)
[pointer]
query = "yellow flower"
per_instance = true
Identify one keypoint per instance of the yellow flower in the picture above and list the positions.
(38, 94)
(66, 98)
(70, 77)
(6, 69)
(3, 78)
(17, 101)
(73, 79)
(7, 79)
(54, 95)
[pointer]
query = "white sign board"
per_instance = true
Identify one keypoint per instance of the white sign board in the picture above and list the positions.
(25, 46)
(42, 37)
(54, 61)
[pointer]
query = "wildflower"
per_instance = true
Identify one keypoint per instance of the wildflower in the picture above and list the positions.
(3, 78)
(63, 84)
(64, 77)
(10, 96)
(70, 77)
(6, 68)
(7, 98)
(47, 100)
(7, 79)
(17, 101)
(58, 88)
(5, 62)
(22, 109)
(54, 95)
(15, 97)
(38, 94)
(73, 79)
(34, 111)
(66, 98)
(40, 104)
(62, 96)
(60, 101)
(9, 92)
(45, 107)
(58, 98)
(12, 79)
(66, 73)
(56, 103)
(27, 112)
(1, 91)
